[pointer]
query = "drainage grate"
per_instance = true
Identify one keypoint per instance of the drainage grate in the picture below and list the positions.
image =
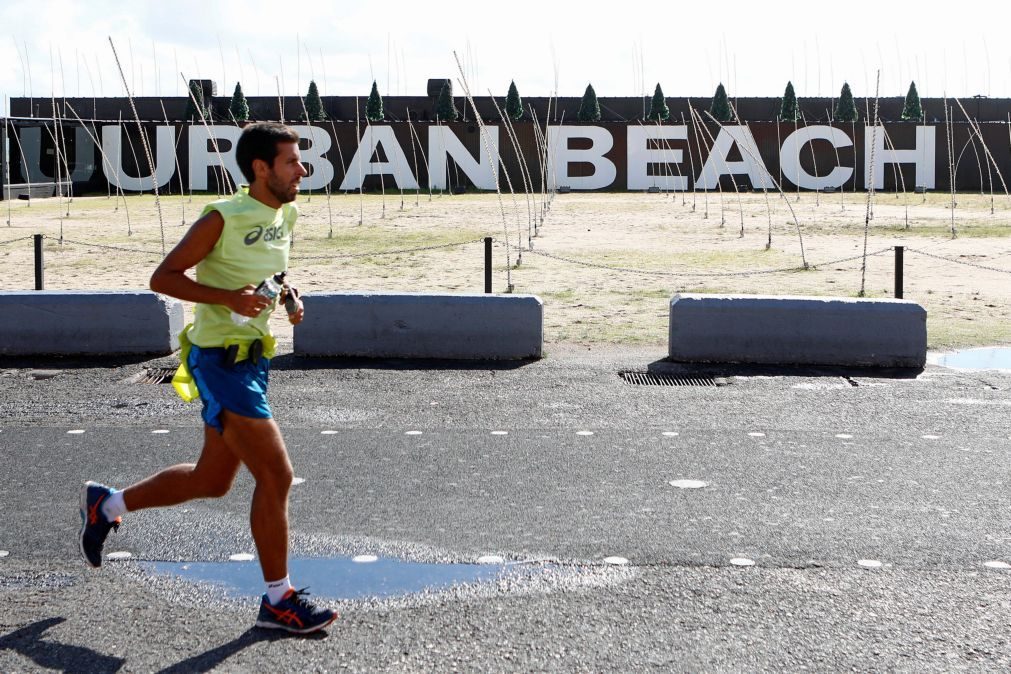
(650, 379)
(156, 375)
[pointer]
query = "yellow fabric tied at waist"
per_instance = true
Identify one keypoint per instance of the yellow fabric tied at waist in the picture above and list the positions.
(182, 380)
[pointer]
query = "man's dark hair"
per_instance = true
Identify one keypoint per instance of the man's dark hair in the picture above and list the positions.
(259, 141)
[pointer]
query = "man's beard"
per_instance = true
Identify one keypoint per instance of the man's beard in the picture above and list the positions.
(283, 192)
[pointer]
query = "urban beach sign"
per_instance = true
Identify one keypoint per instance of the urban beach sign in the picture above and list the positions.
(582, 157)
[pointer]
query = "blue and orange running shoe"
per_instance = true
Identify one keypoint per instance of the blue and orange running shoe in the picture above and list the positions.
(294, 613)
(94, 526)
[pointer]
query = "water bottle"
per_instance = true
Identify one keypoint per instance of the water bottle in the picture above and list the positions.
(269, 288)
(291, 300)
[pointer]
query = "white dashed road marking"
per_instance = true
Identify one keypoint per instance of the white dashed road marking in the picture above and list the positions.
(688, 484)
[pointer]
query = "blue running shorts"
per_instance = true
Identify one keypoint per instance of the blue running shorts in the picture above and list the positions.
(240, 388)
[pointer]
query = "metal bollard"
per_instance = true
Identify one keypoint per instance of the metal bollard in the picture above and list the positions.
(39, 264)
(487, 264)
(899, 250)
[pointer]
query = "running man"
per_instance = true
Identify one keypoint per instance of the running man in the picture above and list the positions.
(236, 244)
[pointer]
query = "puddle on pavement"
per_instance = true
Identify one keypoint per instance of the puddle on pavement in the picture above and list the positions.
(988, 358)
(343, 577)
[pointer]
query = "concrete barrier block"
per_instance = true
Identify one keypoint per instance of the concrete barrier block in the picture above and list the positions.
(80, 322)
(421, 325)
(797, 331)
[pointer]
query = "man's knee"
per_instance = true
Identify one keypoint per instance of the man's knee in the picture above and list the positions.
(276, 478)
(215, 488)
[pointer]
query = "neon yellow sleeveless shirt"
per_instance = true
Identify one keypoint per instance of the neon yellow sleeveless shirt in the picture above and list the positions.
(254, 244)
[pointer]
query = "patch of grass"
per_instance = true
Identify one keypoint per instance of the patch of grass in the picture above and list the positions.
(945, 332)
(561, 295)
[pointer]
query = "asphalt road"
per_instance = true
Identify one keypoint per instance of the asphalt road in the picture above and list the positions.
(806, 473)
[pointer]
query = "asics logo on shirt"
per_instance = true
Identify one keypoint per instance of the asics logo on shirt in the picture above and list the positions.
(268, 234)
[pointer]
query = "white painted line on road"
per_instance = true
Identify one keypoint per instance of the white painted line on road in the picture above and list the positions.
(974, 401)
(328, 432)
(742, 561)
(843, 436)
(869, 563)
(757, 434)
(413, 433)
(819, 386)
(670, 434)
(76, 431)
(584, 432)
(688, 484)
(123, 554)
(490, 559)
(500, 432)
(616, 561)
(159, 431)
(297, 480)
(997, 565)
(364, 559)
(931, 437)
(242, 557)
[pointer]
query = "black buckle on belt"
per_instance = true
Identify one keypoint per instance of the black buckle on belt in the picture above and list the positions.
(231, 354)
(255, 351)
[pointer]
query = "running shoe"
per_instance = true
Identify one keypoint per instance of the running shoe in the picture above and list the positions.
(294, 613)
(94, 525)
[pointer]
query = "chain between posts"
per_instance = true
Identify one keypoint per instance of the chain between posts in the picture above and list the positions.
(106, 247)
(350, 256)
(23, 238)
(949, 259)
(650, 272)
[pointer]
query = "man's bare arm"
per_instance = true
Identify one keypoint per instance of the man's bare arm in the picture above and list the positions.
(170, 277)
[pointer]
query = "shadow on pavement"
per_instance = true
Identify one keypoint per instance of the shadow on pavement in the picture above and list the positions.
(673, 368)
(208, 660)
(290, 361)
(74, 362)
(56, 656)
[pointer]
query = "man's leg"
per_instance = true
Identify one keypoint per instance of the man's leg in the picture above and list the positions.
(259, 445)
(210, 477)
(101, 506)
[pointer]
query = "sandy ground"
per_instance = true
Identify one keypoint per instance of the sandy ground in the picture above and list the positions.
(627, 253)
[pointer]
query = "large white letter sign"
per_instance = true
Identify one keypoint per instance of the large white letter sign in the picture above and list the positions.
(362, 165)
(31, 143)
(789, 157)
(922, 156)
(202, 155)
(322, 170)
(751, 161)
(560, 156)
(442, 142)
(164, 158)
(640, 156)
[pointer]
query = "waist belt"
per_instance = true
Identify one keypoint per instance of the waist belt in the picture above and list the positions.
(236, 350)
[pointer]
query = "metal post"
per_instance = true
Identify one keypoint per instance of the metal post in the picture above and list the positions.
(487, 264)
(899, 250)
(39, 265)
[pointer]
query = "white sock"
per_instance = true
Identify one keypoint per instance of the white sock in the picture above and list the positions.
(276, 589)
(114, 506)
